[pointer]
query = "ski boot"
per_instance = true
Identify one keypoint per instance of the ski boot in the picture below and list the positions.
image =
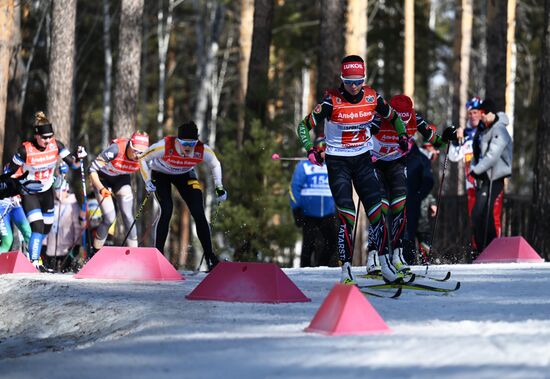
(373, 263)
(398, 261)
(212, 262)
(37, 263)
(389, 273)
(347, 275)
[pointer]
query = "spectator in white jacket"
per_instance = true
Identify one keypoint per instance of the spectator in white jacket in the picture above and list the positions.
(67, 229)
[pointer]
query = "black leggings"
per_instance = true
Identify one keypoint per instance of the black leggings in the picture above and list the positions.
(345, 173)
(482, 206)
(39, 209)
(393, 187)
(320, 241)
(190, 191)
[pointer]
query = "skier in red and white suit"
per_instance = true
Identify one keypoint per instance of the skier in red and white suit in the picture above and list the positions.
(39, 157)
(171, 161)
(110, 174)
(391, 168)
(348, 113)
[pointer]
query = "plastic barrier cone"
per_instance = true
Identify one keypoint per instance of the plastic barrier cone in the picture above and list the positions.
(507, 250)
(248, 282)
(129, 263)
(14, 262)
(347, 311)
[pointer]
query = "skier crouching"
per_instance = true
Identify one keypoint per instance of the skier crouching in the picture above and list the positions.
(110, 174)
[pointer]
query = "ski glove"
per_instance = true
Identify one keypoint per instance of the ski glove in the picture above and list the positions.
(81, 152)
(150, 186)
(315, 157)
(28, 187)
(449, 134)
(104, 192)
(63, 168)
(477, 176)
(221, 193)
(403, 142)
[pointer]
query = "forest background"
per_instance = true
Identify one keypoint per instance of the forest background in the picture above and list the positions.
(248, 71)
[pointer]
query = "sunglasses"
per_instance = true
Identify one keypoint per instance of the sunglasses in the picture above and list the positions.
(350, 82)
(46, 137)
(188, 142)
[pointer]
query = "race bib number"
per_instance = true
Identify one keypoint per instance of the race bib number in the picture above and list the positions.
(42, 175)
(385, 149)
(354, 138)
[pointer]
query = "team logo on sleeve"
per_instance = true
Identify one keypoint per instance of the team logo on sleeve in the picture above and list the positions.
(318, 108)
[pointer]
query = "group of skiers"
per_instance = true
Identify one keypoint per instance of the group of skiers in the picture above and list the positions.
(29, 180)
(367, 141)
(366, 147)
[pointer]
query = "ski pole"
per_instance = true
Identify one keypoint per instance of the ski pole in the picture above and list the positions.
(138, 215)
(58, 215)
(84, 205)
(355, 227)
(277, 157)
(485, 232)
(90, 217)
(374, 159)
(438, 202)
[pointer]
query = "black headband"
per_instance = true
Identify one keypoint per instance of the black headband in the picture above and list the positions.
(44, 130)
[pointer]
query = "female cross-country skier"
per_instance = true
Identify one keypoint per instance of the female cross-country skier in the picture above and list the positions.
(110, 174)
(39, 157)
(391, 168)
(171, 161)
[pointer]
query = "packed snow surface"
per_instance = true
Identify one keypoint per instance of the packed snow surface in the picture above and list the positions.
(54, 326)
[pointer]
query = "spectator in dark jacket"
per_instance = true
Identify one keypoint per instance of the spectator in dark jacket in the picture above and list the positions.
(492, 164)
(313, 209)
(419, 184)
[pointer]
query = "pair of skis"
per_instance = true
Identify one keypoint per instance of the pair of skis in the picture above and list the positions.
(408, 283)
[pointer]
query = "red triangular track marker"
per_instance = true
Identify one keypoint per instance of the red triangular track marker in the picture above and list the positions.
(347, 311)
(14, 262)
(129, 263)
(508, 250)
(248, 282)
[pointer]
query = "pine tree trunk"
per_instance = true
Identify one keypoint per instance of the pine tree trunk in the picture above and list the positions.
(164, 29)
(495, 83)
(214, 21)
(128, 67)
(245, 46)
(6, 31)
(61, 75)
(356, 28)
(14, 105)
(108, 74)
(511, 58)
(461, 69)
(540, 238)
(408, 56)
(331, 45)
(257, 93)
